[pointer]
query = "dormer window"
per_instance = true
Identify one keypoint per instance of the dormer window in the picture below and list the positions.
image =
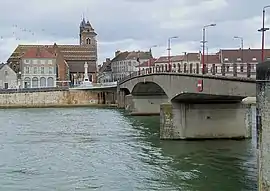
(238, 59)
(226, 59)
(254, 59)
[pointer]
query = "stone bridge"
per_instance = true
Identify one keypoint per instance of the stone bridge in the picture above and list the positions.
(190, 105)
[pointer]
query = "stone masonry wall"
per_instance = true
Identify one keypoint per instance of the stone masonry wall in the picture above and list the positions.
(48, 99)
(263, 124)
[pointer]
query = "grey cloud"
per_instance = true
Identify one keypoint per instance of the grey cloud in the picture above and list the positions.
(139, 20)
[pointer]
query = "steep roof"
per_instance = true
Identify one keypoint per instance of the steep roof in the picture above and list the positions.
(1, 65)
(132, 56)
(70, 52)
(38, 52)
(146, 63)
(212, 59)
(179, 58)
(249, 55)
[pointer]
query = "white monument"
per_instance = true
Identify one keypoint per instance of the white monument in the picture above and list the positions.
(86, 81)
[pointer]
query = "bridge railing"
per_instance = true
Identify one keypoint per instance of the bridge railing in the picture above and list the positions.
(237, 71)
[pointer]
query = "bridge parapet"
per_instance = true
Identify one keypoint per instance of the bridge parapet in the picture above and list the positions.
(222, 73)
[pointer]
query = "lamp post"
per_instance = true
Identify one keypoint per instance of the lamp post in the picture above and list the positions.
(150, 51)
(203, 42)
(242, 46)
(169, 50)
(263, 29)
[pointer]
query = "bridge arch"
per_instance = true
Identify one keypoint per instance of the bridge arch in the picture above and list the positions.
(125, 90)
(148, 89)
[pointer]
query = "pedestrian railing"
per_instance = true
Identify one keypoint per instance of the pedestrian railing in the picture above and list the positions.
(221, 71)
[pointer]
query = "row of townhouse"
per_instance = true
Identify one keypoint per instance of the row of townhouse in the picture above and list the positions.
(234, 62)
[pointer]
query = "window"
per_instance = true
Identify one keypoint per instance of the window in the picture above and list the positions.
(185, 67)
(254, 59)
(34, 82)
(238, 59)
(27, 70)
(27, 82)
(42, 82)
(228, 68)
(42, 70)
(50, 70)
(88, 41)
(6, 85)
(26, 61)
(241, 68)
(226, 59)
(35, 70)
(6, 73)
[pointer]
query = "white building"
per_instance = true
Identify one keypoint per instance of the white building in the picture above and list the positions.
(38, 68)
(124, 63)
(8, 78)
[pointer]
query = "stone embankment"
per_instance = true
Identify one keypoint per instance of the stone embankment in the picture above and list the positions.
(50, 98)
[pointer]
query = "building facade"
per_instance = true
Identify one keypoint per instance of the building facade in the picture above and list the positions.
(186, 63)
(124, 63)
(8, 78)
(70, 58)
(38, 69)
(105, 72)
(238, 62)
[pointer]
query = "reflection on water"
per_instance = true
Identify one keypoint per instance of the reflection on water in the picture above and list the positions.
(95, 149)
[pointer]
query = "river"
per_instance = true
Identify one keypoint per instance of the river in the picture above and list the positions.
(103, 149)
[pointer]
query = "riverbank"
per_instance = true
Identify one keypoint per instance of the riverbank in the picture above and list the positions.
(56, 99)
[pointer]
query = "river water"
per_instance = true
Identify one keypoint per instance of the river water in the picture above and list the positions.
(103, 149)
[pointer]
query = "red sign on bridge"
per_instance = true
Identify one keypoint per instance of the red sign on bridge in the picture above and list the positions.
(200, 86)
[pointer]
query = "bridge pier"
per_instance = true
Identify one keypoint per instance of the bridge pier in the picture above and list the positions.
(204, 121)
(121, 99)
(263, 124)
(144, 105)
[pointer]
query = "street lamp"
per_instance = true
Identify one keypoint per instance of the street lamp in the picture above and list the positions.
(263, 29)
(169, 50)
(150, 51)
(242, 41)
(242, 46)
(203, 42)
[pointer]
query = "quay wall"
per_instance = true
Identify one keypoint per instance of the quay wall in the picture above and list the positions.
(48, 99)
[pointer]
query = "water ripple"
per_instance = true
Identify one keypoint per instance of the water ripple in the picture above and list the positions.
(94, 149)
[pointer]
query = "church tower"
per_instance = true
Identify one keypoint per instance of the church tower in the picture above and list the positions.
(87, 34)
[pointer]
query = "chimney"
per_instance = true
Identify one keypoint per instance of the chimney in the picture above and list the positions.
(117, 53)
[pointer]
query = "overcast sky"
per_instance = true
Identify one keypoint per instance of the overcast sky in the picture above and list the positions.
(133, 24)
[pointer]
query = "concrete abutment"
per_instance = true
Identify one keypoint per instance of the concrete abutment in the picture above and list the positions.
(144, 105)
(205, 121)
